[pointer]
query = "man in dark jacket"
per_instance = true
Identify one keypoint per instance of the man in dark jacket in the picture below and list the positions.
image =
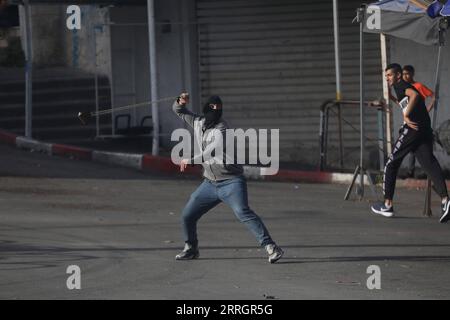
(224, 182)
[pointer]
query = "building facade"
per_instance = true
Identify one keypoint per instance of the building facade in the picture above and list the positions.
(271, 61)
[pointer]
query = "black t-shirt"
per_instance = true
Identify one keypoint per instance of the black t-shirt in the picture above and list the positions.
(419, 113)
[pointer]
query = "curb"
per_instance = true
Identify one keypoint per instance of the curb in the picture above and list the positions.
(71, 151)
(7, 137)
(133, 161)
(157, 164)
(28, 144)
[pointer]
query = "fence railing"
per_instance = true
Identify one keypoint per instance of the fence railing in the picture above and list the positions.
(335, 107)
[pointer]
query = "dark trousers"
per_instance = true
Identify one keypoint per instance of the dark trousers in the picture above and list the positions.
(421, 144)
(411, 163)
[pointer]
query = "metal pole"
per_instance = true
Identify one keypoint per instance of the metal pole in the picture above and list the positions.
(185, 46)
(337, 58)
(442, 28)
(110, 28)
(133, 74)
(153, 74)
(341, 137)
(380, 137)
(360, 169)
(437, 82)
(28, 72)
(327, 121)
(361, 98)
(321, 141)
(97, 101)
(384, 59)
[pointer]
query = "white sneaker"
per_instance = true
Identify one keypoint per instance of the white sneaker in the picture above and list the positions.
(445, 214)
(189, 253)
(382, 209)
(274, 252)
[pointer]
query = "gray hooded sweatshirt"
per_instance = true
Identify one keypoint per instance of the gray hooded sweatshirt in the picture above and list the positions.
(206, 140)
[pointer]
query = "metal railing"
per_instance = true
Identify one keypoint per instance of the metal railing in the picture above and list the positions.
(335, 107)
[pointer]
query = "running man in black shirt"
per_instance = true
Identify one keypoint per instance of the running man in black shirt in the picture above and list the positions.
(416, 136)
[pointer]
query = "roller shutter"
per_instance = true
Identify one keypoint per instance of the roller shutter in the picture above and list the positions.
(272, 62)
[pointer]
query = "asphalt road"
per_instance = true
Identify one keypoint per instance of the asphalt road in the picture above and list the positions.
(121, 227)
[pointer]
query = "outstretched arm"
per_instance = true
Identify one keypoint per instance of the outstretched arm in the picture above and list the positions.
(179, 107)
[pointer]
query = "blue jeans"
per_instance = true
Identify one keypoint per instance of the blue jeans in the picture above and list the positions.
(209, 194)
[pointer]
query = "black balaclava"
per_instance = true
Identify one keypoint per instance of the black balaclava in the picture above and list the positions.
(212, 116)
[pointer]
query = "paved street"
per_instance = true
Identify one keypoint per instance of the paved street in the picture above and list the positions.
(121, 227)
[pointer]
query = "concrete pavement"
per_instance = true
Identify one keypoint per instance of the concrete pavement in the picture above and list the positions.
(121, 227)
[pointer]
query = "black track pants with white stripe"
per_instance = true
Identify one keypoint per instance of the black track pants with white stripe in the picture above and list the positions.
(422, 146)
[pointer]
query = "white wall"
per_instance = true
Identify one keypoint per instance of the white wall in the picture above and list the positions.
(176, 59)
(176, 56)
(54, 45)
(47, 31)
(424, 60)
(80, 45)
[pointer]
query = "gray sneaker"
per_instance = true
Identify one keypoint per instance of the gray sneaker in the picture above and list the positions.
(189, 252)
(274, 252)
(445, 212)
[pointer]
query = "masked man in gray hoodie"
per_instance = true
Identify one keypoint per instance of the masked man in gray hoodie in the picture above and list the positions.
(224, 180)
